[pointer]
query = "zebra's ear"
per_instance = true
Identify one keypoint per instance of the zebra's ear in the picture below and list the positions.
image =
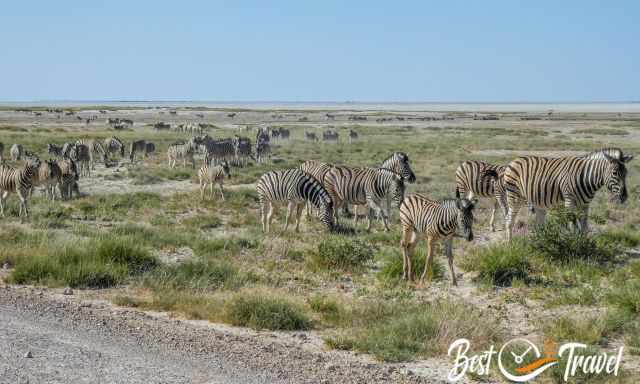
(627, 158)
(457, 194)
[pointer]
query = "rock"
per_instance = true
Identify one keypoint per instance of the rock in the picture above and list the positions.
(67, 291)
(28, 355)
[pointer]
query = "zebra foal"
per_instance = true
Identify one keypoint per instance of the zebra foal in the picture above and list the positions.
(208, 175)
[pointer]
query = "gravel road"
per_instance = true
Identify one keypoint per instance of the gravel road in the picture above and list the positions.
(49, 338)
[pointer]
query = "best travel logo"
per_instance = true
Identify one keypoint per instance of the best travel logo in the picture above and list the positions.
(520, 360)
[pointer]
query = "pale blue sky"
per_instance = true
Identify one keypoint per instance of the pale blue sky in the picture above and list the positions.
(483, 51)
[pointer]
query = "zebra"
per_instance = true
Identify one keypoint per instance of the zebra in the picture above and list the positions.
(310, 136)
(293, 187)
(68, 178)
(573, 180)
(18, 181)
(471, 180)
(330, 135)
(49, 174)
(81, 154)
(66, 149)
(353, 135)
(218, 150)
(399, 163)
(54, 150)
(114, 145)
(437, 220)
(181, 150)
(263, 151)
(16, 152)
(242, 147)
(360, 186)
(137, 146)
(149, 149)
(316, 169)
(213, 174)
(95, 149)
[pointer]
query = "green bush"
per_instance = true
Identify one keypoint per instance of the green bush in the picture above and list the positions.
(265, 312)
(392, 265)
(197, 275)
(341, 254)
(500, 264)
(331, 311)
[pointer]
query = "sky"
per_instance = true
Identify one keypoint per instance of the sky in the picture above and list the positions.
(369, 51)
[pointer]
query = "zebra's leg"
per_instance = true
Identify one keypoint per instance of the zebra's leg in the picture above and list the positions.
(22, 195)
(428, 270)
(540, 216)
(448, 246)
(492, 220)
(221, 192)
(299, 208)
(355, 216)
(583, 217)
(408, 243)
(3, 197)
(203, 187)
(290, 211)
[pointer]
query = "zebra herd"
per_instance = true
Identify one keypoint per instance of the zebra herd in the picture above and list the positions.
(539, 182)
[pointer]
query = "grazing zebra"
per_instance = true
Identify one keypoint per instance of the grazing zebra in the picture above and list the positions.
(360, 186)
(95, 150)
(81, 154)
(330, 135)
(353, 135)
(544, 182)
(114, 145)
(437, 220)
(293, 187)
(263, 151)
(16, 152)
(137, 146)
(184, 151)
(68, 178)
(149, 149)
(49, 175)
(218, 150)
(310, 136)
(213, 174)
(316, 169)
(18, 181)
(54, 150)
(471, 180)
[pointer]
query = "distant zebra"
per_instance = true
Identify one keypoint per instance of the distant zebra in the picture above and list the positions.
(137, 146)
(263, 151)
(310, 136)
(68, 178)
(243, 150)
(18, 181)
(96, 150)
(218, 150)
(316, 169)
(353, 135)
(365, 186)
(545, 182)
(213, 174)
(54, 150)
(149, 149)
(114, 145)
(438, 220)
(182, 151)
(293, 187)
(16, 152)
(330, 135)
(81, 155)
(48, 175)
(472, 180)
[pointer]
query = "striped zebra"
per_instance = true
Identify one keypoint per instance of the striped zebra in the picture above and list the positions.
(16, 152)
(263, 151)
(48, 175)
(149, 149)
(54, 150)
(471, 180)
(437, 220)
(545, 182)
(208, 175)
(137, 146)
(18, 181)
(243, 150)
(182, 151)
(365, 186)
(114, 145)
(399, 163)
(81, 155)
(68, 178)
(96, 150)
(353, 135)
(316, 169)
(293, 187)
(66, 149)
(218, 150)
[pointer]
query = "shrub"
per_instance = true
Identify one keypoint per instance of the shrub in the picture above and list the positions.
(500, 264)
(265, 312)
(392, 265)
(339, 253)
(331, 310)
(197, 275)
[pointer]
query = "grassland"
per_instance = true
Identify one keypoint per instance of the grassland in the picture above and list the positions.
(136, 219)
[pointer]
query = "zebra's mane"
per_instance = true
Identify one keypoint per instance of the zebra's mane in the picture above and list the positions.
(616, 153)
